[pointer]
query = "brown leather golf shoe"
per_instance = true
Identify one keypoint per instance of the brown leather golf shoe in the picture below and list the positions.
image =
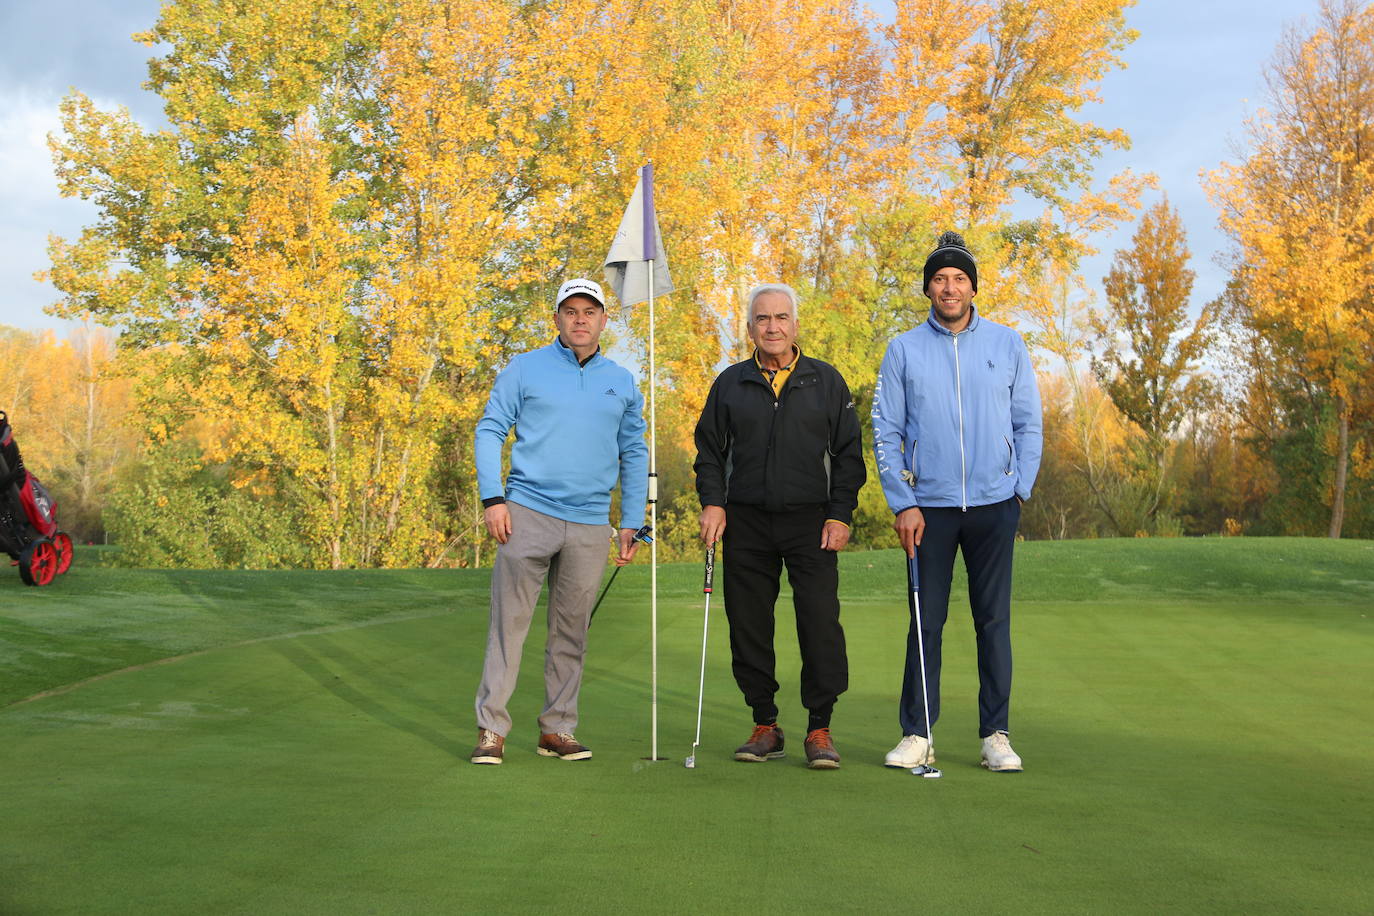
(490, 748)
(764, 744)
(820, 750)
(563, 746)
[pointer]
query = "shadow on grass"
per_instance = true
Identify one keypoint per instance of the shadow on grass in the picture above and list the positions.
(306, 604)
(360, 686)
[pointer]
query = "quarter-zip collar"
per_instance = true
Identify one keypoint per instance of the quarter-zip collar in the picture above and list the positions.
(567, 353)
(973, 322)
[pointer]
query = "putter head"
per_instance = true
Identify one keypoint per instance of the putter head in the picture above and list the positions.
(691, 762)
(926, 772)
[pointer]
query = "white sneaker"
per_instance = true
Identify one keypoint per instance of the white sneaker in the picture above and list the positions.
(998, 755)
(911, 751)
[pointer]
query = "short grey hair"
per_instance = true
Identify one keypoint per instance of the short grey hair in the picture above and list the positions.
(783, 288)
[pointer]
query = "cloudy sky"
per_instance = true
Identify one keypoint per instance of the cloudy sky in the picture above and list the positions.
(1192, 77)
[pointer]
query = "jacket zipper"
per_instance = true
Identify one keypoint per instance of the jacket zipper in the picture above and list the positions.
(768, 471)
(959, 395)
(768, 474)
(770, 452)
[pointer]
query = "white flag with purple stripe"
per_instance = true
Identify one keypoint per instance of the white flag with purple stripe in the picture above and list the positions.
(636, 243)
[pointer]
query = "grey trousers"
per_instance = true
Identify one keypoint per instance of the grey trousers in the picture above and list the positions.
(573, 557)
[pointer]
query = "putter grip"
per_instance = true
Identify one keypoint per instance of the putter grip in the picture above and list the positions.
(710, 569)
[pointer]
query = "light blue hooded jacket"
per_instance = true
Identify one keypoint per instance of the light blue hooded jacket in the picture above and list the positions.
(956, 417)
(577, 429)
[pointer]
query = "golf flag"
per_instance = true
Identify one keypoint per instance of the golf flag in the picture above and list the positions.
(637, 269)
(636, 243)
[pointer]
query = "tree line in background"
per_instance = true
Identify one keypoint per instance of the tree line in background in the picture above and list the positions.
(356, 213)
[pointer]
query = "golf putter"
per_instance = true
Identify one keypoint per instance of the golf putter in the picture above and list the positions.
(643, 535)
(691, 761)
(913, 581)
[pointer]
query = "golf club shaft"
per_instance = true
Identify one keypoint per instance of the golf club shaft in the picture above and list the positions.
(592, 616)
(645, 536)
(705, 625)
(913, 579)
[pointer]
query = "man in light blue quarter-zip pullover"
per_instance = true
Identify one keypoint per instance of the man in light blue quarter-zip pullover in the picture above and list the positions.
(579, 427)
(957, 436)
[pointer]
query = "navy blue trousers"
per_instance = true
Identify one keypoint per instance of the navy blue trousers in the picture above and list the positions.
(985, 535)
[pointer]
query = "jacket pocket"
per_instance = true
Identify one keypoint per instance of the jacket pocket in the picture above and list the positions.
(1010, 467)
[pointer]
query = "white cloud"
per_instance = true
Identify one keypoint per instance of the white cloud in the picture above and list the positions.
(30, 207)
(26, 175)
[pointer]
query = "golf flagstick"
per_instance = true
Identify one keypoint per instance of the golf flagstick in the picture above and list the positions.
(913, 581)
(637, 246)
(653, 472)
(691, 761)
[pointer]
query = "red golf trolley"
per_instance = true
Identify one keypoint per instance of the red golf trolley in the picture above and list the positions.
(28, 518)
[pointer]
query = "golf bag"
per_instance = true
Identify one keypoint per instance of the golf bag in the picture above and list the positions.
(28, 517)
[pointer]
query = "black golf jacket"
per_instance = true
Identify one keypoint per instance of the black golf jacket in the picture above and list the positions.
(801, 448)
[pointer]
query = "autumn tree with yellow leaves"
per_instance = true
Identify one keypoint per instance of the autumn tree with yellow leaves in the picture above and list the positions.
(1300, 209)
(358, 212)
(69, 409)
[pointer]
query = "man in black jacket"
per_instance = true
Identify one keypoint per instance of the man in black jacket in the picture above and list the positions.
(783, 427)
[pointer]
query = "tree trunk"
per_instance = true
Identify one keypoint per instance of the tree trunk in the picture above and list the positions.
(85, 486)
(394, 509)
(1342, 468)
(335, 502)
(368, 546)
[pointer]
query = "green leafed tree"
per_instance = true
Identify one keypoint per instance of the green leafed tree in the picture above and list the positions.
(1148, 348)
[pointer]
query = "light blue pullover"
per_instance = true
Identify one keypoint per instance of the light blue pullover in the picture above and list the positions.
(577, 428)
(956, 417)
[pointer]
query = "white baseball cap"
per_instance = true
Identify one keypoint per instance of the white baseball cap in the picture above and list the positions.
(589, 288)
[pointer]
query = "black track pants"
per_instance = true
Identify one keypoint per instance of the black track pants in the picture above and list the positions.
(757, 544)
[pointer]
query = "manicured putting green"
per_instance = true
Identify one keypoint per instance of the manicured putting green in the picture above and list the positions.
(1194, 716)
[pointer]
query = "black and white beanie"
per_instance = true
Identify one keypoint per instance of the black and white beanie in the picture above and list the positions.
(950, 251)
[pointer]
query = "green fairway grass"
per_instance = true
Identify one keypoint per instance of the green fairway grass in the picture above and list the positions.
(1194, 717)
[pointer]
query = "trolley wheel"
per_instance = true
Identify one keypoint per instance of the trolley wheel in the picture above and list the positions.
(38, 563)
(62, 543)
